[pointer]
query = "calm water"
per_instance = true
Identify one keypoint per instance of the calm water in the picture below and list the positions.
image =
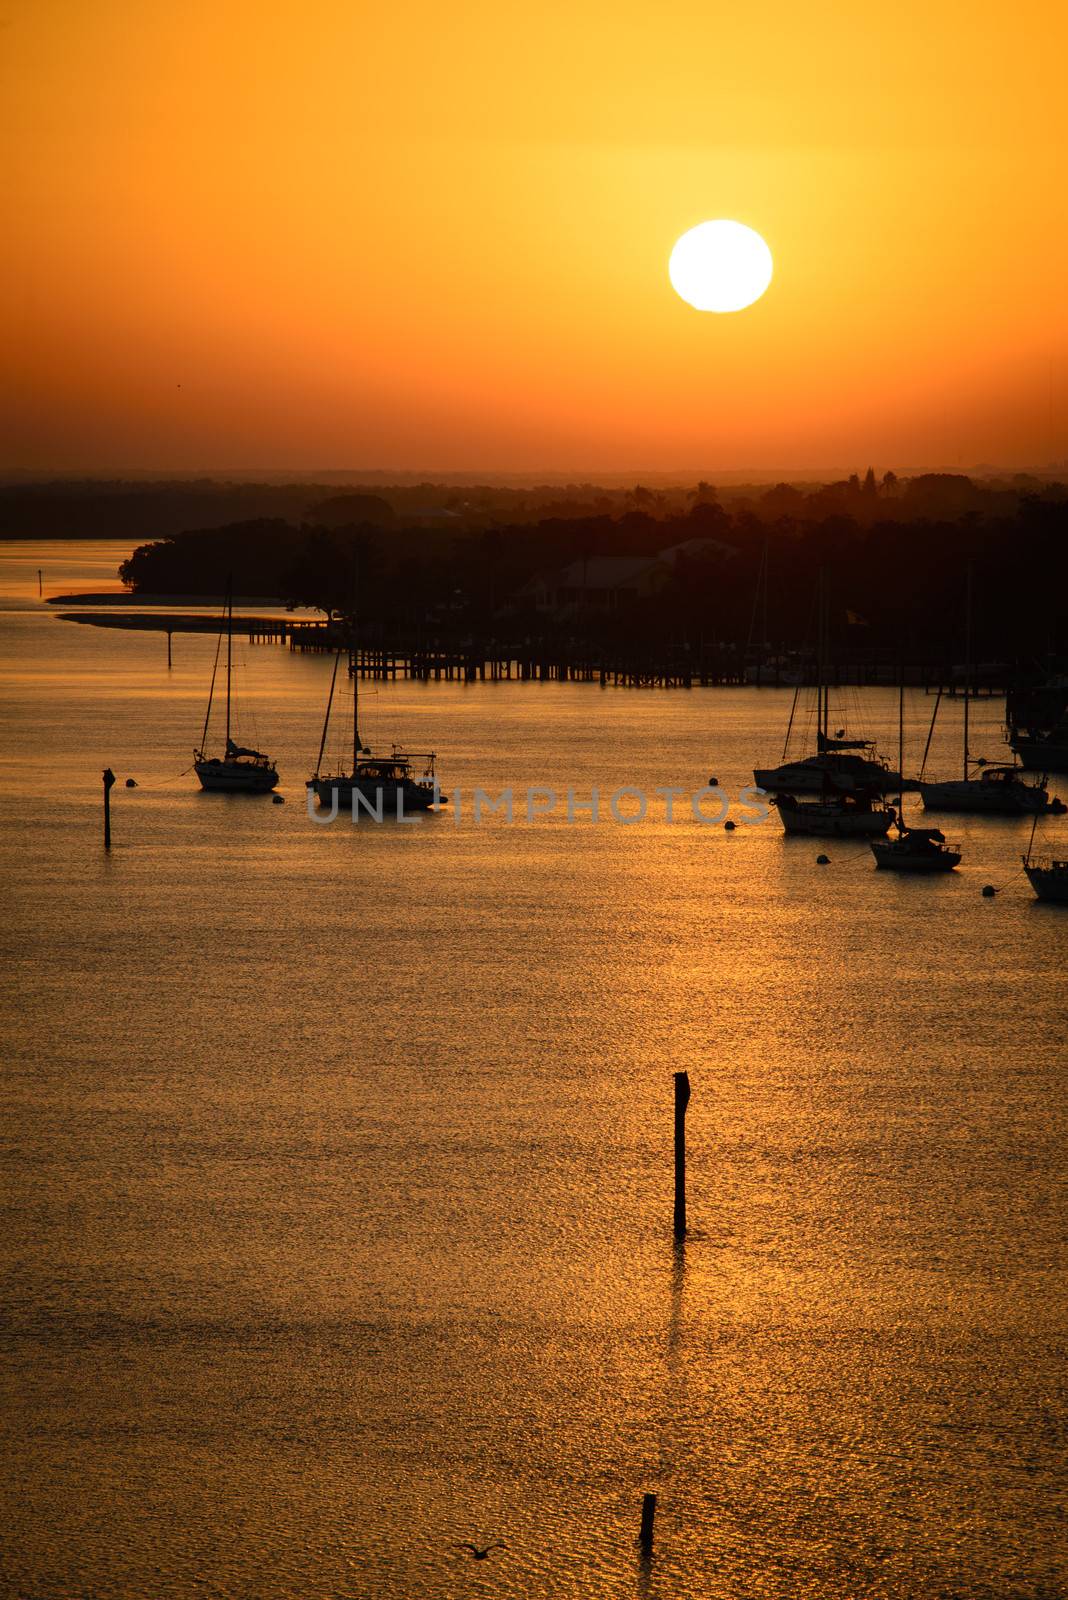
(337, 1162)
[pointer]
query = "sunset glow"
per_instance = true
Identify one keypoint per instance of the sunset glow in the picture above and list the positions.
(325, 234)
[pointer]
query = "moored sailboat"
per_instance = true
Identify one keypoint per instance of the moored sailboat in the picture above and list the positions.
(844, 763)
(835, 794)
(239, 769)
(992, 791)
(1036, 720)
(837, 814)
(916, 850)
(1047, 876)
(983, 789)
(379, 785)
(839, 764)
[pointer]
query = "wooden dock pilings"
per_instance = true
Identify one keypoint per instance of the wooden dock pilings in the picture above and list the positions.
(633, 665)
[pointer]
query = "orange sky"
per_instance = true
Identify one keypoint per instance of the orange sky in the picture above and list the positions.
(436, 236)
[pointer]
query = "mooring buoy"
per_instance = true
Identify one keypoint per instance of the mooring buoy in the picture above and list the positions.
(823, 861)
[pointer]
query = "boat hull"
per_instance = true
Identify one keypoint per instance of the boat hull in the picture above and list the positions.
(235, 777)
(815, 774)
(985, 799)
(892, 859)
(1049, 883)
(821, 821)
(375, 799)
(1041, 755)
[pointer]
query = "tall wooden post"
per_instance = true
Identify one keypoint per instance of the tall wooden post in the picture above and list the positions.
(682, 1100)
(645, 1532)
(168, 647)
(109, 779)
(40, 583)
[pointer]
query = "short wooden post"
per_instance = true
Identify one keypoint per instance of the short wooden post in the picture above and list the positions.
(682, 1100)
(109, 779)
(645, 1533)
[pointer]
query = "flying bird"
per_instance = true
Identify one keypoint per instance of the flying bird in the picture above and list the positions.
(481, 1554)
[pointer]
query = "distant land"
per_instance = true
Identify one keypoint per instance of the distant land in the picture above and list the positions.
(728, 567)
(142, 508)
(677, 477)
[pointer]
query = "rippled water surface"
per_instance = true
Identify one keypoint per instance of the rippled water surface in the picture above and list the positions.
(338, 1161)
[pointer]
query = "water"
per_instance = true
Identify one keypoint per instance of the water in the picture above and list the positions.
(337, 1162)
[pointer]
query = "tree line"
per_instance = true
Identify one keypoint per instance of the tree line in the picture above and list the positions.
(736, 577)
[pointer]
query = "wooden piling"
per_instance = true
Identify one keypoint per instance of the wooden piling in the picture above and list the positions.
(682, 1100)
(645, 1533)
(109, 779)
(168, 648)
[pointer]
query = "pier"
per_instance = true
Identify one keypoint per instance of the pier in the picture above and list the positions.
(425, 657)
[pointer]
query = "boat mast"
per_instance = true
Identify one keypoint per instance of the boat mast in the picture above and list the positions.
(930, 733)
(355, 708)
(211, 692)
(790, 724)
(229, 649)
(901, 723)
(326, 719)
(901, 746)
(822, 688)
(760, 596)
(355, 669)
(967, 663)
(764, 619)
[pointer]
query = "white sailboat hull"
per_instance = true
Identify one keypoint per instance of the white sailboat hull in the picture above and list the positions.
(830, 821)
(235, 777)
(812, 776)
(986, 799)
(376, 797)
(238, 770)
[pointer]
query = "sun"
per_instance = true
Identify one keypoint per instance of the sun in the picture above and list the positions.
(720, 266)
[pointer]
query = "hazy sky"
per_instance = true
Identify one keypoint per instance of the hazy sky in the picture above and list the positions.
(328, 233)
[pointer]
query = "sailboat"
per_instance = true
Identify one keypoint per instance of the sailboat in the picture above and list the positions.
(847, 789)
(238, 769)
(837, 814)
(912, 849)
(1047, 876)
(984, 788)
(382, 785)
(844, 763)
(1036, 719)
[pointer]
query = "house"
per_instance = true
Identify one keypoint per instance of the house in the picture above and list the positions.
(677, 555)
(602, 583)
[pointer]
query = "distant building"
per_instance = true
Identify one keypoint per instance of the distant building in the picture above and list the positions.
(603, 583)
(700, 545)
